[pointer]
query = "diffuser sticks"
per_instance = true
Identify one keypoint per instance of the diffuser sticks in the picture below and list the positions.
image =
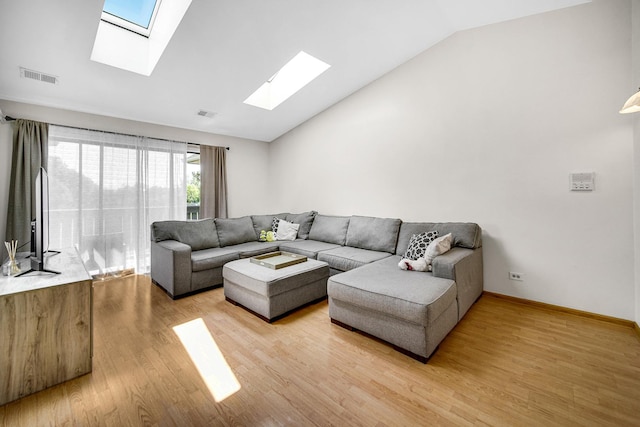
(12, 247)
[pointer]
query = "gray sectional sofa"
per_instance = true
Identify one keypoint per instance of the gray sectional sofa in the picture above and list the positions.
(367, 290)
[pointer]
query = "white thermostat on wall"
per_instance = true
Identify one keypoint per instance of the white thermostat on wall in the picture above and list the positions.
(582, 181)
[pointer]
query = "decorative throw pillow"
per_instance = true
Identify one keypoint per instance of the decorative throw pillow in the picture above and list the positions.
(287, 230)
(419, 264)
(274, 223)
(439, 246)
(418, 244)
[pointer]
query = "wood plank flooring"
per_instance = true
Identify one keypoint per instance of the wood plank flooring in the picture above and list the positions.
(504, 364)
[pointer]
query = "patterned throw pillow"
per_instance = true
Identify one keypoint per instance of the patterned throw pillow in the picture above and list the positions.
(418, 244)
(274, 224)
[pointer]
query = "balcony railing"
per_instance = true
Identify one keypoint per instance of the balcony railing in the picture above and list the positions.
(193, 211)
(112, 240)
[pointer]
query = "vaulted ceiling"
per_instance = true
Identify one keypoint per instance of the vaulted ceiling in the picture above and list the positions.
(223, 50)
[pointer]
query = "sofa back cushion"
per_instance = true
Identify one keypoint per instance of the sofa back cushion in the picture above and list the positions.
(305, 220)
(376, 234)
(264, 222)
(233, 231)
(330, 229)
(465, 234)
(199, 235)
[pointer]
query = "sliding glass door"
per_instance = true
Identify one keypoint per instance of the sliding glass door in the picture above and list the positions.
(105, 191)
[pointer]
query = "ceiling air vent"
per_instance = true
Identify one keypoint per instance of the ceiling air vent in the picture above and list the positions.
(204, 113)
(37, 75)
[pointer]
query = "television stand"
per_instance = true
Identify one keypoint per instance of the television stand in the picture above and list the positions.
(46, 328)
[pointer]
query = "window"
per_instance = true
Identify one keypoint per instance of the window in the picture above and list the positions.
(193, 182)
(106, 189)
(292, 77)
(133, 15)
(135, 40)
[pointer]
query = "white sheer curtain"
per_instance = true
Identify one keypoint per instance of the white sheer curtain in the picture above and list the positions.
(105, 190)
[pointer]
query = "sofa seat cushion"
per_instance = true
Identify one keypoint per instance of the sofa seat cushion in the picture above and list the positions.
(346, 258)
(415, 297)
(208, 259)
(308, 248)
(249, 249)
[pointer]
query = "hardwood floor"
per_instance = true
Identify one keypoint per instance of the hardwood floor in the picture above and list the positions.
(504, 364)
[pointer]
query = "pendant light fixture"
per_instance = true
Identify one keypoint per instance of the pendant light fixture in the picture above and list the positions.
(632, 105)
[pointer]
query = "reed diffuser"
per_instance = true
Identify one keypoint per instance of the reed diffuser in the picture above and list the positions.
(12, 247)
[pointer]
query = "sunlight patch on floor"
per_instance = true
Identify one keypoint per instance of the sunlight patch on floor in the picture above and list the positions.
(208, 359)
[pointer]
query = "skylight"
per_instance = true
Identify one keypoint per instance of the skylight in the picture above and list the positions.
(292, 77)
(120, 44)
(133, 15)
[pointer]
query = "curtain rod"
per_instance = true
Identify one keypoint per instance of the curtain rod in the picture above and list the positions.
(127, 134)
(4, 119)
(10, 119)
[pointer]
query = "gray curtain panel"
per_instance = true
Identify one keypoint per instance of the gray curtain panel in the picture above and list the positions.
(213, 182)
(30, 144)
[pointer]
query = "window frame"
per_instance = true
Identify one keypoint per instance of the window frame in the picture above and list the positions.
(193, 149)
(131, 26)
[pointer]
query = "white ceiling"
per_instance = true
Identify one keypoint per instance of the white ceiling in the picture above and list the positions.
(225, 49)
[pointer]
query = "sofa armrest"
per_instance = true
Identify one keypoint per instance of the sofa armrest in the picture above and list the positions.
(464, 266)
(171, 266)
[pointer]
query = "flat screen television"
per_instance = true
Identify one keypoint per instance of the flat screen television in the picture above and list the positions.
(41, 225)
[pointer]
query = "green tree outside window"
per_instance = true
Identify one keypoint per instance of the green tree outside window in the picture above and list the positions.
(193, 188)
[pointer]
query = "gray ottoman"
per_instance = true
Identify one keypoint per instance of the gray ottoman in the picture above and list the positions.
(271, 294)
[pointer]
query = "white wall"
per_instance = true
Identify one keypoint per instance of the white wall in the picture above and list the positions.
(246, 165)
(635, 82)
(486, 127)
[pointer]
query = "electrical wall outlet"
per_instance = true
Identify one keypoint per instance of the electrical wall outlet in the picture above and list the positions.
(516, 276)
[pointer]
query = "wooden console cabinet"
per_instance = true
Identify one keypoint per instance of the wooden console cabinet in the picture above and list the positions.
(46, 326)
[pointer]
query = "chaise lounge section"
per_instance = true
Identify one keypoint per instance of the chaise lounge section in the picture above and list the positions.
(414, 311)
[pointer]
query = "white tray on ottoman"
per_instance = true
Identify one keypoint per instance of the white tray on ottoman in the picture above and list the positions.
(272, 293)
